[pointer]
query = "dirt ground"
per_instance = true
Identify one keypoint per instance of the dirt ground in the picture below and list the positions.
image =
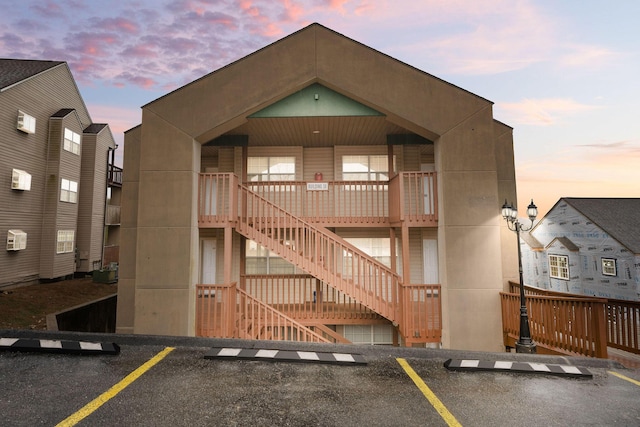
(26, 307)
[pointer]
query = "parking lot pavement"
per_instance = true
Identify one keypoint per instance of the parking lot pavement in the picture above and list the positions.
(158, 381)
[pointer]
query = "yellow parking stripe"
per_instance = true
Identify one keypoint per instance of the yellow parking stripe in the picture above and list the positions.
(431, 397)
(107, 395)
(631, 380)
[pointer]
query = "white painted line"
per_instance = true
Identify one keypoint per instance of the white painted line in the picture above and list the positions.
(230, 352)
(469, 363)
(540, 367)
(90, 345)
(8, 341)
(503, 365)
(341, 357)
(270, 354)
(570, 369)
(308, 355)
(50, 344)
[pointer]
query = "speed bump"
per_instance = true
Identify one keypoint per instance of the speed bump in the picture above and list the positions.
(58, 346)
(518, 367)
(285, 356)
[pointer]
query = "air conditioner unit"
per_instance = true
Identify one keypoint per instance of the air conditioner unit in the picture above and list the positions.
(26, 123)
(20, 180)
(16, 240)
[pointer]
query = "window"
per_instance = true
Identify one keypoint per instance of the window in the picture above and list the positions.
(68, 191)
(609, 267)
(65, 241)
(365, 168)
(261, 260)
(271, 168)
(71, 141)
(559, 266)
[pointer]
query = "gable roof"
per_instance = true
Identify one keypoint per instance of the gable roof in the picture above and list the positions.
(566, 242)
(224, 99)
(619, 217)
(14, 71)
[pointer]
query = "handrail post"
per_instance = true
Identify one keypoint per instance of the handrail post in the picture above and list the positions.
(600, 328)
(231, 310)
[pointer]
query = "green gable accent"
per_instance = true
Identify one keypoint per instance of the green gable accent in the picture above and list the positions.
(316, 101)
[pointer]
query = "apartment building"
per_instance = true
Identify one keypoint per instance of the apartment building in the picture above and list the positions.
(318, 190)
(53, 167)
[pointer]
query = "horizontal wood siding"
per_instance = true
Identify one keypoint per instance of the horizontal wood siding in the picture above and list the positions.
(92, 198)
(39, 97)
(318, 160)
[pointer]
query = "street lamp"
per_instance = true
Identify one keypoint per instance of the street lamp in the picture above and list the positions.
(524, 344)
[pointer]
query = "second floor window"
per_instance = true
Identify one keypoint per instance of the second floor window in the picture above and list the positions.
(271, 169)
(71, 141)
(68, 191)
(609, 267)
(559, 267)
(365, 168)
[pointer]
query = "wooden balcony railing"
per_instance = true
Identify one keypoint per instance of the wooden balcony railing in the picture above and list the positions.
(422, 320)
(623, 317)
(307, 299)
(112, 215)
(114, 175)
(224, 311)
(412, 198)
(330, 203)
(575, 326)
(304, 299)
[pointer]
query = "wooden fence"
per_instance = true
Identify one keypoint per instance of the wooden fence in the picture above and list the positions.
(620, 319)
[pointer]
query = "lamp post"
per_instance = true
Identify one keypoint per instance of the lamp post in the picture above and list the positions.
(524, 344)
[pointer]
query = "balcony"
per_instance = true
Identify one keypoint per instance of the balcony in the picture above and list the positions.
(114, 176)
(112, 215)
(409, 198)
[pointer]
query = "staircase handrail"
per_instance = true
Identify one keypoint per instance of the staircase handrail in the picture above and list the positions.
(261, 312)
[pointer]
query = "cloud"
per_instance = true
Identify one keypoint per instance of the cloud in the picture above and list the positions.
(588, 56)
(540, 112)
(607, 169)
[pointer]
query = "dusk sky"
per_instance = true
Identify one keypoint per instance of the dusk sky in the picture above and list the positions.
(563, 74)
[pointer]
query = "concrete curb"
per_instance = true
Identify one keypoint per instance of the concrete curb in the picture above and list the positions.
(58, 346)
(274, 355)
(517, 367)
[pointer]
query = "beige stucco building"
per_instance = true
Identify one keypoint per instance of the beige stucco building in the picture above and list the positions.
(324, 184)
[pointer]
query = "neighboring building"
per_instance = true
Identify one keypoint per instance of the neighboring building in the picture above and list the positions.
(321, 182)
(586, 246)
(53, 169)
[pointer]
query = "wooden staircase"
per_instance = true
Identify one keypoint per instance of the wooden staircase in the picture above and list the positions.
(321, 253)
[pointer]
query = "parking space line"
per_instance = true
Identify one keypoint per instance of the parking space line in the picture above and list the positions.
(107, 395)
(631, 380)
(431, 397)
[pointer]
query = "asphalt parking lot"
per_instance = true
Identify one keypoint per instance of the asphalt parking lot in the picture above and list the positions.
(165, 381)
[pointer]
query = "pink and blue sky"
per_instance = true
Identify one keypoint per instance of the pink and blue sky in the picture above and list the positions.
(563, 74)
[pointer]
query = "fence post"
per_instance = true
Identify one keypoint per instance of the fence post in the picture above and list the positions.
(600, 328)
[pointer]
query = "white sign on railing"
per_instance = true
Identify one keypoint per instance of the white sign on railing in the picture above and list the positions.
(317, 186)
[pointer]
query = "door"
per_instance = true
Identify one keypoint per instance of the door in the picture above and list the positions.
(427, 185)
(430, 260)
(208, 262)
